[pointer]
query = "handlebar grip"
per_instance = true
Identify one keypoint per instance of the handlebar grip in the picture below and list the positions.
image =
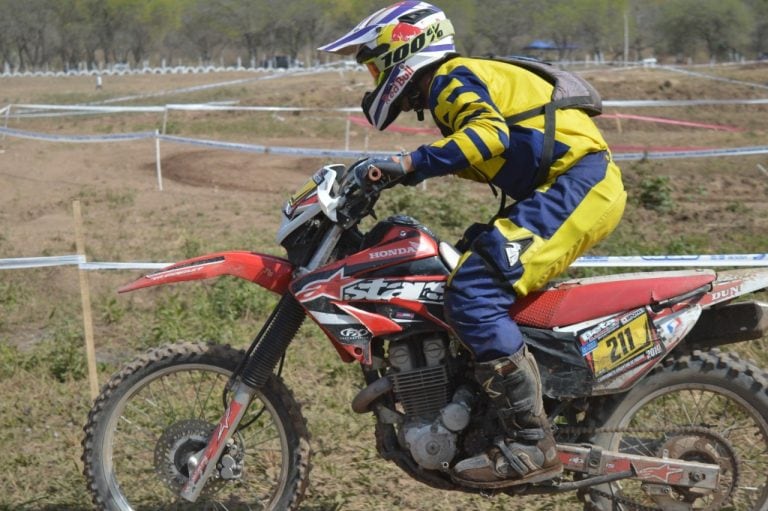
(374, 174)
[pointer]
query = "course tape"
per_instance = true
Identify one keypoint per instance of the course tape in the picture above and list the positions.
(660, 261)
(674, 122)
(294, 151)
(642, 103)
(699, 153)
(94, 107)
(118, 137)
(39, 262)
(715, 78)
(342, 153)
(338, 153)
(347, 154)
(207, 86)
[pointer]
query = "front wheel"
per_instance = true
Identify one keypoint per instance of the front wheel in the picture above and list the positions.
(707, 407)
(161, 408)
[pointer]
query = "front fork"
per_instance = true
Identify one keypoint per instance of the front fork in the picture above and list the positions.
(258, 366)
(202, 464)
(266, 350)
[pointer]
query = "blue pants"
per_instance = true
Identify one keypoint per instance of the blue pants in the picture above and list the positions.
(537, 239)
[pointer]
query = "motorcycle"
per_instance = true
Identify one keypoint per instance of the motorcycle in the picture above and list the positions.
(648, 412)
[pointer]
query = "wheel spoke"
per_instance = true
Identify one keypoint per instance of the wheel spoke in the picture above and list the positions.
(151, 428)
(672, 415)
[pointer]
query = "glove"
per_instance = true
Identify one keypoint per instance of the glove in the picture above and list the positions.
(391, 170)
(413, 178)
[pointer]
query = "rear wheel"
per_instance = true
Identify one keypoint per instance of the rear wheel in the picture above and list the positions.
(161, 408)
(708, 407)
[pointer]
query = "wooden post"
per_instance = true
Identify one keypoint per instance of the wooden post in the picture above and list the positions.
(346, 135)
(6, 113)
(158, 168)
(85, 295)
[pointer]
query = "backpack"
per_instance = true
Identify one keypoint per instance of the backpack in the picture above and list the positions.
(570, 91)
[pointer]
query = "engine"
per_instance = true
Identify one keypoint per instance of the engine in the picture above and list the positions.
(434, 412)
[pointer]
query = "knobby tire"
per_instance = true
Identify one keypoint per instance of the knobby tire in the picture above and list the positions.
(167, 390)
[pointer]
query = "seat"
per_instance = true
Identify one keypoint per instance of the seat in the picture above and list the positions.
(574, 301)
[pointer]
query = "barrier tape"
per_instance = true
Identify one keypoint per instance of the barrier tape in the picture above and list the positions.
(362, 121)
(205, 107)
(644, 103)
(674, 122)
(716, 78)
(23, 110)
(294, 151)
(123, 266)
(700, 153)
(91, 108)
(339, 153)
(658, 261)
(119, 137)
(650, 261)
(39, 262)
(347, 154)
(196, 88)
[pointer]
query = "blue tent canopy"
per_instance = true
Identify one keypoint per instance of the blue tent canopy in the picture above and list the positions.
(540, 44)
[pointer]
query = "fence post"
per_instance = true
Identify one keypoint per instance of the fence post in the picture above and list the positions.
(346, 135)
(6, 114)
(85, 294)
(157, 162)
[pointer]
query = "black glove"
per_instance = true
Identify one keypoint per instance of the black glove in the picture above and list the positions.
(391, 171)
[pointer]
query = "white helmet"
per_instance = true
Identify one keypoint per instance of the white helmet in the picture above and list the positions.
(394, 43)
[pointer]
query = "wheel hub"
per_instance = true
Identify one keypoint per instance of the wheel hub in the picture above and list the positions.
(703, 449)
(184, 439)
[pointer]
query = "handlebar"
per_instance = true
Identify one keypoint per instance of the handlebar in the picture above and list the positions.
(374, 174)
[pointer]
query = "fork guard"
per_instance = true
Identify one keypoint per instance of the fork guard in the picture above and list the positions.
(270, 272)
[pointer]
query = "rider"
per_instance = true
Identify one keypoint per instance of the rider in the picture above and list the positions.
(408, 48)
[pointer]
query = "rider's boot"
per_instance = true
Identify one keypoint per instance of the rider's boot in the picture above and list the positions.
(528, 453)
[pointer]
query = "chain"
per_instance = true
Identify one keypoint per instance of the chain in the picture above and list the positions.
(631, 505)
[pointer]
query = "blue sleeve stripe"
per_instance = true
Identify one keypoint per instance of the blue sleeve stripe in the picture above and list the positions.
(479, 143)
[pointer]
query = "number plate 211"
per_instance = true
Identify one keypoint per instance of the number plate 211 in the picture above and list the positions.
(619, 343)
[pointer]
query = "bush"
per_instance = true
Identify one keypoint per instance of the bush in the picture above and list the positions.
(656, 194)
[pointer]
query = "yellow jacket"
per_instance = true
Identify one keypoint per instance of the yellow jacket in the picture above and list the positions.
(470, 98)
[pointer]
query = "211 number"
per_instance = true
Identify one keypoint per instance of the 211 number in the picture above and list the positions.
(621, 345)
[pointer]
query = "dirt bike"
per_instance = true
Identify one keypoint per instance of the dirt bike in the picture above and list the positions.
(648, 413)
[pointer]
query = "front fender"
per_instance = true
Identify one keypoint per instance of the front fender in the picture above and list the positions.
(270, 272)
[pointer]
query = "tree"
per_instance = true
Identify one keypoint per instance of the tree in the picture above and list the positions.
(759, 10)
(644, 20)
(601, 25)
(248, 22)
(204, 26)
(25, 26)
(723, 26)
(141, 25)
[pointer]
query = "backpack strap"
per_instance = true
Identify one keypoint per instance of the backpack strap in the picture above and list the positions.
(548, 148)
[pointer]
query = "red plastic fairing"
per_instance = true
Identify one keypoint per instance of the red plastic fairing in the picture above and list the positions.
(270, 272)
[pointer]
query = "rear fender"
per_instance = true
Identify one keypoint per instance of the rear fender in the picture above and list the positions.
(270, 272)
(735, 283)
